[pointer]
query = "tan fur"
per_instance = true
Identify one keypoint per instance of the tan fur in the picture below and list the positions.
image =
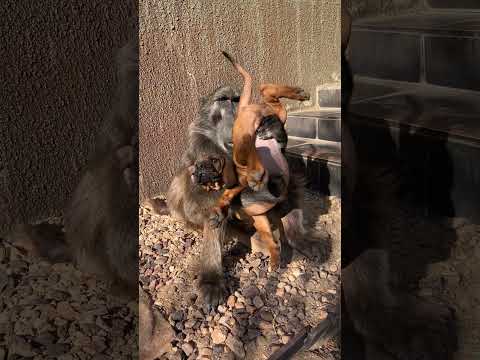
(248, 166)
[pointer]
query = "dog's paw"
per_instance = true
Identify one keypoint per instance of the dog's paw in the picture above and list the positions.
(301, 94)
(274, 262)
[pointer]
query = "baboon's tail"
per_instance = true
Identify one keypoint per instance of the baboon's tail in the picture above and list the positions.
(304, 340)
(46, 241)
(247, 80)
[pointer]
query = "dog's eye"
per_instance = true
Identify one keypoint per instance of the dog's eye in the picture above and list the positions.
(223, 98)
(236, 99)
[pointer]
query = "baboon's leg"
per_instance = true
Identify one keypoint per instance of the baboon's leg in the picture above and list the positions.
(211, 279)
(264, 229)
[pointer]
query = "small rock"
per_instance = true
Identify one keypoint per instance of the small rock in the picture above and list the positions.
(190, 323)
(323, 274)
(281, 285)
(236, 346)
(227, 322)
(333, 268)
(206, 352)
(296, 272)
(177, 315)
(227, 356)
(21, 347)
(266, 315)
(250, 291)
(58, 349)
(258, 302)
(45, 339)
(239, 305)
(66, 311)
(265, 325)
(231, 301)
(281, 319)
(256, 263)
(222, 309)
(280, 292)
(288, 288)
(187, 349)
(219, 335)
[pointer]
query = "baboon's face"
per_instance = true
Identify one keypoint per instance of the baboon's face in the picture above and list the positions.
(221, 108)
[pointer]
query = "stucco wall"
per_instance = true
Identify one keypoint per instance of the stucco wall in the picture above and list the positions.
(295, 42)
(58, 77)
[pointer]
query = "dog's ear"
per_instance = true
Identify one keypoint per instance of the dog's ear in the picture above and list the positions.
(229, 174)
(346, 26)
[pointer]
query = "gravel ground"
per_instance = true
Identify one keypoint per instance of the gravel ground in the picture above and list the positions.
(56, 312)
(457, 282)
(263, 310)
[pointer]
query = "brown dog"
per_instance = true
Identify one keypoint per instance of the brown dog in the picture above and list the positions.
(251, 171)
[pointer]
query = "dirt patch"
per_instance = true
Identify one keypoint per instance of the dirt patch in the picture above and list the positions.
(457, 283)
(264, 309)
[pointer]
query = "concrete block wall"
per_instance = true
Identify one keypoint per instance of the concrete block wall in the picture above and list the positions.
(439, 46)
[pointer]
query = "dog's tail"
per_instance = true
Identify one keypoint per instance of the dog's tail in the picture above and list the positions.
(247, 80)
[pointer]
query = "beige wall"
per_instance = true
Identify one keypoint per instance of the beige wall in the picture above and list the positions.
(58, 78)
(295, 42)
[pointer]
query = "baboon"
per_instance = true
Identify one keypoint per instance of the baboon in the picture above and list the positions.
(209, 151)
(101, 218)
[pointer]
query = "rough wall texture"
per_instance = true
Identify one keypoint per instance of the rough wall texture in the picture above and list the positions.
(366, 8)
(295, 42)
(57, 82)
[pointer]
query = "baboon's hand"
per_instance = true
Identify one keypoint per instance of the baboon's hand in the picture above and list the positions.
(216, 217)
